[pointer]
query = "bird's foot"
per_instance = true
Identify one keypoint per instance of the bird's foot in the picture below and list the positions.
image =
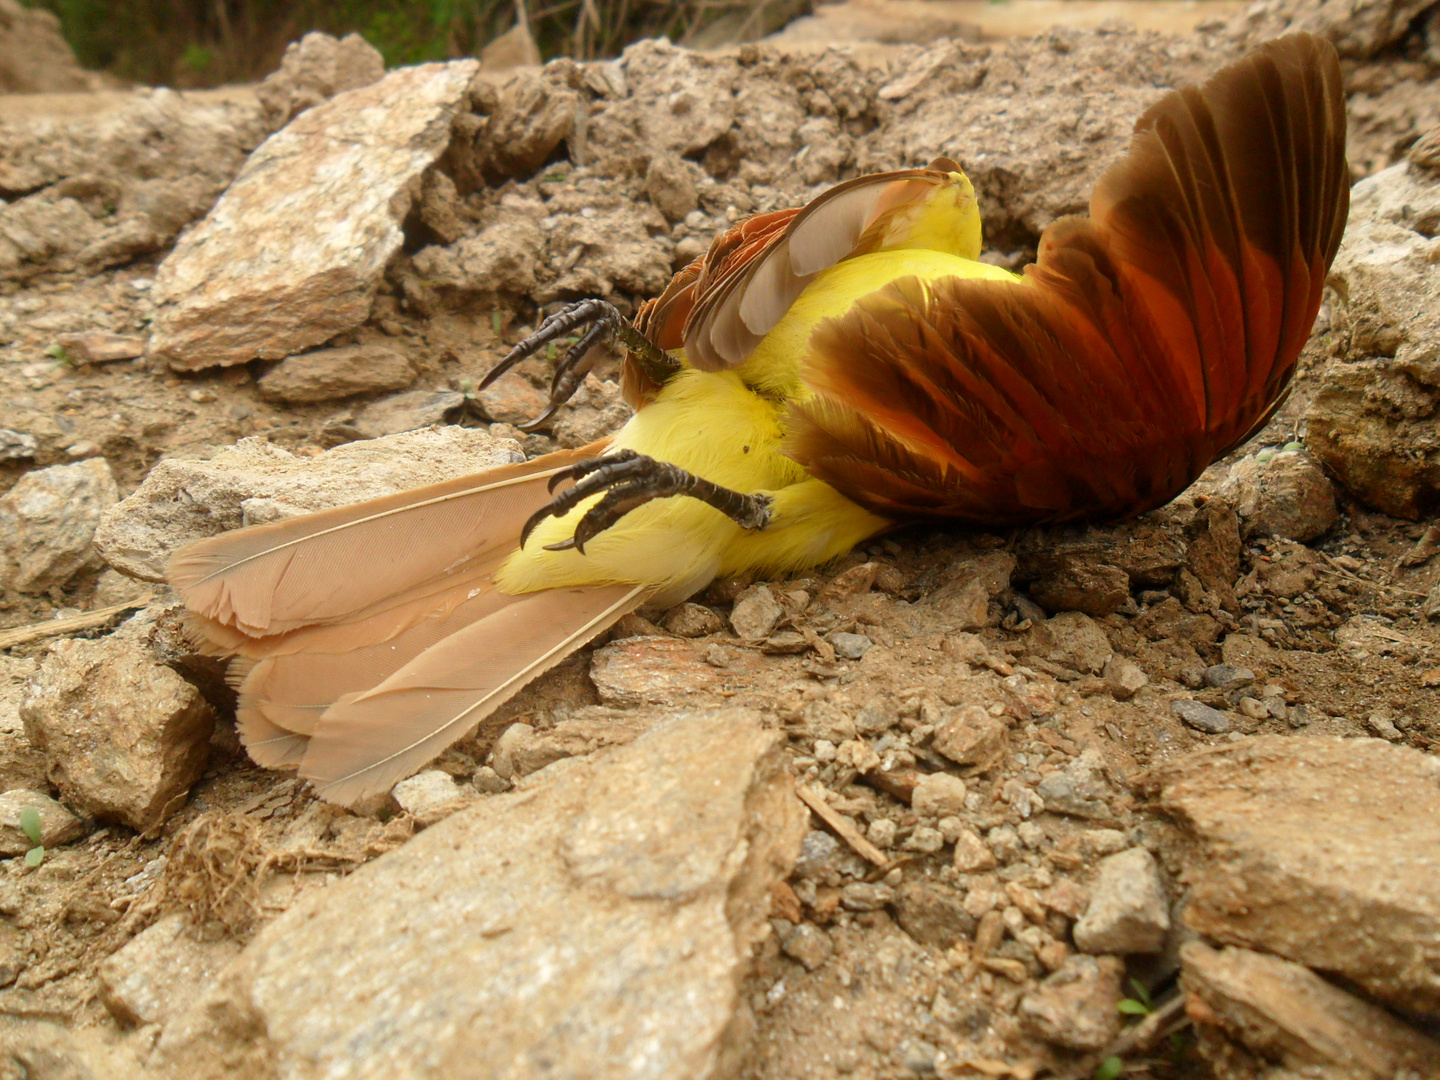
(602, 325)
(630, 480)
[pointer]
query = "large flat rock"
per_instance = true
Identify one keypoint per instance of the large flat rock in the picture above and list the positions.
(1325, 851)
(254, 482)
(597, 925)
(1284, 1013)
(294, 250)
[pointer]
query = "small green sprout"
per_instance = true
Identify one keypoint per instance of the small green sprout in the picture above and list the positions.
(30, 826)
(1265, 455)
(1292, 446)
(554, 177)
(57, 352)
(1110, 1068)
(495, 322)
(1139, 1005)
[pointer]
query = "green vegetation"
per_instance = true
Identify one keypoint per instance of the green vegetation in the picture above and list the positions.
(30, 826)
(192, 43)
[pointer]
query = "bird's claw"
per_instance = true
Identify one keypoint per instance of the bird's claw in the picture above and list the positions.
(630, 480)
(603, 325)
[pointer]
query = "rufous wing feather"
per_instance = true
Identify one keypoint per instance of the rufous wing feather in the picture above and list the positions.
(366, 742)
(1145, 342)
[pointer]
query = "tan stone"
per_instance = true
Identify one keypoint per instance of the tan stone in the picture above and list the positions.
(598, 925)
(326, 374)
(161, 971)
(1322, 850)
(294, 251)
(123, 735)
(1287, 1015)
(663, 671)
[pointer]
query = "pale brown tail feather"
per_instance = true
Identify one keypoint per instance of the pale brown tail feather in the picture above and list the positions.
(368, 741)
(293, 688)
(303, 571)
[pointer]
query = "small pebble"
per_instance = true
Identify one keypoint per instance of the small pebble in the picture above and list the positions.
(882, 832)
(850, 646)
(1225, 677)
(1254, 708)
(1200, 717)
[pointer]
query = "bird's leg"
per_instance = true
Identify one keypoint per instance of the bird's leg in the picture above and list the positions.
(603, 324)
(630, 480)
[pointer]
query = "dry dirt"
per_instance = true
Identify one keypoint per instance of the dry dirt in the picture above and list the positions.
(893, 995)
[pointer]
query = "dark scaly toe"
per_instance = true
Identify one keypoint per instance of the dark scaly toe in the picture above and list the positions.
(630, 480)
(604, 325)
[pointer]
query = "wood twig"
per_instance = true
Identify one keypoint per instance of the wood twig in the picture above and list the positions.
(843, 826)
(89, 620)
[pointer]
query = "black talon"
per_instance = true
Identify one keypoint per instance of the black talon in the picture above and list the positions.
(631, 480)
(606, 326)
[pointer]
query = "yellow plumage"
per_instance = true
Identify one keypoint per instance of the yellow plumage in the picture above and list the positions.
(728, 427)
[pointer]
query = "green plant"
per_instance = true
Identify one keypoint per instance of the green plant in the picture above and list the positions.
(1110, 1068)
(30, 826)
(1140, 1004)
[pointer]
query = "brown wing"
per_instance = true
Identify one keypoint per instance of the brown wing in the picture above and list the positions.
(1146, 341)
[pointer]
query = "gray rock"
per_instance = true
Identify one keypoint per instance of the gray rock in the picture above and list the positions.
(600, 924)
(160, 971)
(315, 69)
(755, 613)
(804, 942)
(850, 646)
(293, 253)
(818, 850)
(1200, 717)
(1128, 911)
(57, 824)
(1287, 1015)
(326, 374)
(1079, 789)
(429, 795)
(48, 522)
(1228, 677)
(410, 411)
(1124, 678)
(124, 737)
(1075, 1007)
(1321, 850)
(254, 481)
(866, 896)
(17, 445)
(1287, 495)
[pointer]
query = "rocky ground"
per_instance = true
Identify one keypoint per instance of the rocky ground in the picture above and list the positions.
(961, 805)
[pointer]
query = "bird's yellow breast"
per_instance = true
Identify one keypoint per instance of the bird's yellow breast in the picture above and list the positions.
(728, 427)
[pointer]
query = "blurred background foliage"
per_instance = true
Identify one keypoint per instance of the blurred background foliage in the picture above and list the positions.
(191, 43)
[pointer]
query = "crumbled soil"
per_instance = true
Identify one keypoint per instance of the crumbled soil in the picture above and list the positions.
(249, 841)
